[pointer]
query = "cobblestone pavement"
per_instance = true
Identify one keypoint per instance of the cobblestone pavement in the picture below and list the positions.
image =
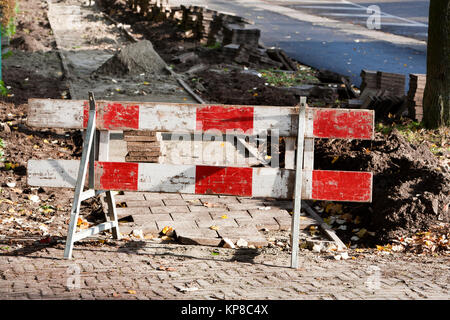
(146, 270)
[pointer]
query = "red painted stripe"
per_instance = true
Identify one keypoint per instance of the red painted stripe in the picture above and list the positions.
(223, 180)
(85, 113)
(335, 123)
(342, 186)
(116, 116)
(116, 176)
(225, 118)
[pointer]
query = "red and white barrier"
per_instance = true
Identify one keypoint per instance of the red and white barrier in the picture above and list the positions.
(191, 179)
(170, 117)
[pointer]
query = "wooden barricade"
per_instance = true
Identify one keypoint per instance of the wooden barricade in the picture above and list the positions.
(298, 125)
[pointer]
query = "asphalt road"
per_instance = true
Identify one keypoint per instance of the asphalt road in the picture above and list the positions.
(334, 35)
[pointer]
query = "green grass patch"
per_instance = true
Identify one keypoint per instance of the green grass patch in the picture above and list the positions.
(289, 79)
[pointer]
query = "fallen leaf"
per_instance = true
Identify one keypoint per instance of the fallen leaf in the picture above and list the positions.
(214, 228)
(167, 230)
(131, 291)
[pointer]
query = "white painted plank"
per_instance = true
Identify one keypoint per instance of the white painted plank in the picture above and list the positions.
(157, 177)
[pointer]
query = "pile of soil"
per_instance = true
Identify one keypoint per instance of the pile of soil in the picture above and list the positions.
(237, 87)
(134, 59)
(411, 191)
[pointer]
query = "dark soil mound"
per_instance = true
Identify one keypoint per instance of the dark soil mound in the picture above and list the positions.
(27, 84)
(133, 59)
(244, 89)
(410, 190)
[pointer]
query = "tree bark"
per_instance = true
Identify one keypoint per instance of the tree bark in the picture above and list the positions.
(436, 101)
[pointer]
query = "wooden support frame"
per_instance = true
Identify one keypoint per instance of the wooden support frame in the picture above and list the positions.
(90, 151)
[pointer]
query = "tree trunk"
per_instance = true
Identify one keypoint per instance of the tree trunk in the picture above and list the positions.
(436, 101)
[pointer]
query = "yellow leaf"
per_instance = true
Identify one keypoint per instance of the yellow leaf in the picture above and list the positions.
(214, 228)
(166, 238)
(334, 159)
(46, 141)
(167, 229)
(131, 291)
(224, 216)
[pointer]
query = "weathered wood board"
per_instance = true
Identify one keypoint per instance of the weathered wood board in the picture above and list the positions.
(169, 117)
(240, 181)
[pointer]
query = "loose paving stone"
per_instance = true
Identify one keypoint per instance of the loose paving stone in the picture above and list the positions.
(201, 236)
(248, 233)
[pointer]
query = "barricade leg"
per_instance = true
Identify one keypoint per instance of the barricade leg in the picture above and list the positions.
(295, 226)
(87, 146)
(112, 214)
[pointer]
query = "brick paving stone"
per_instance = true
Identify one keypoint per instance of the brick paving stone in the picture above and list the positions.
(284, 222)
(176, 224)
(180, 216)
(220, 200)
(175, 202)
(125, 212)
(144, 218)
(260, 223)
(202, 236)
(243, 206)
(282, 204)
(219, 223)
(198, 196)
(169, 209)
(150, 228)
(230, 214)
(272, 212)
(129, 196)
(153, 196)
(222, 208)
(144, 203)
(249, 233)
